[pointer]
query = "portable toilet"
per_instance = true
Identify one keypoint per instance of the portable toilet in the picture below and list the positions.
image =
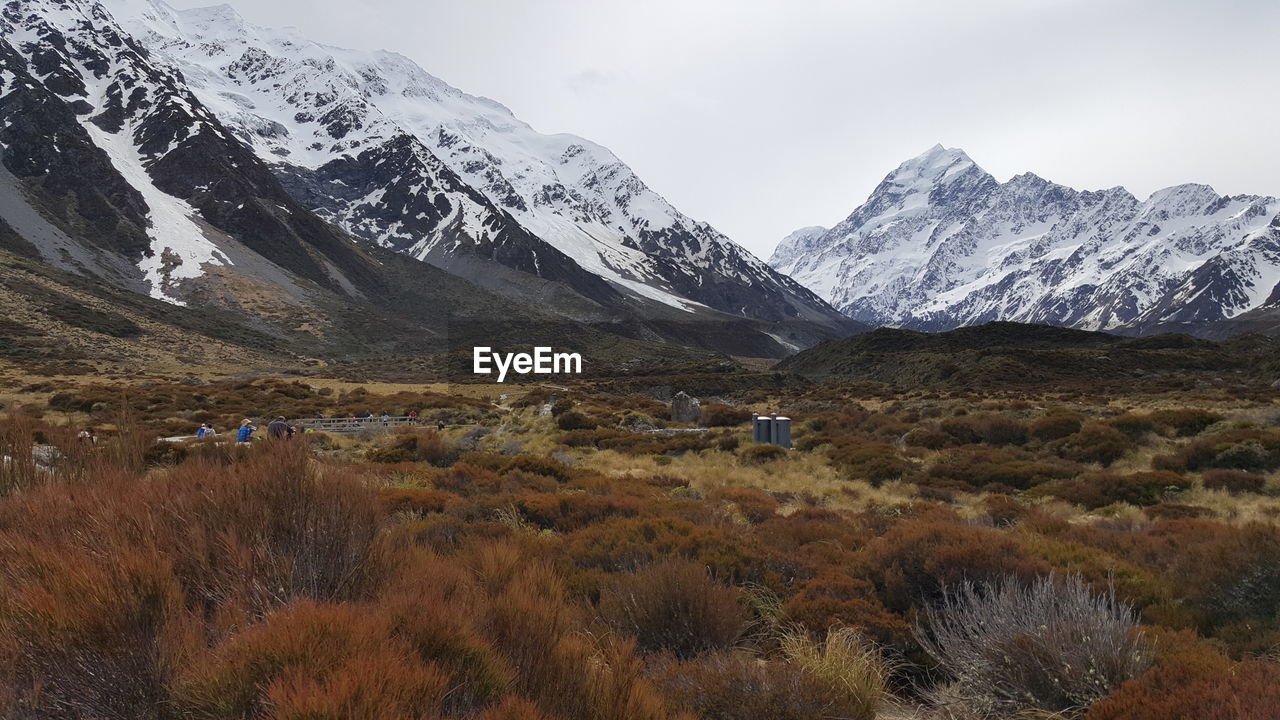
(761, 428)
(780, 432)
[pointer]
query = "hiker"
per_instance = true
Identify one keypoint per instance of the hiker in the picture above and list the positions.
(440, 426)
(87, 437)
(245, 434)
(204, 432)
(386, 416)
(277, 429)
(413, 417)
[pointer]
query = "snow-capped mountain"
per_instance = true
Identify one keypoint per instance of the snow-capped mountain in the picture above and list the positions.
(212, 187)
(396, 156)
(128, 176)
(940, 244)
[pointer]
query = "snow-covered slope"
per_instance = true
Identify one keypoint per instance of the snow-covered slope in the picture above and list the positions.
(940, 243)
(399, 157)
(119, 154)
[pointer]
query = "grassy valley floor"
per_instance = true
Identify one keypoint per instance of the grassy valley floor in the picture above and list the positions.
(930, 552)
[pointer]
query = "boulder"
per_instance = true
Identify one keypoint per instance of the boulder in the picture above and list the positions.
(685, 408)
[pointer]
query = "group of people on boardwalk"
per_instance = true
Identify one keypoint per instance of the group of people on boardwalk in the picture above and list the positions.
(277, 429)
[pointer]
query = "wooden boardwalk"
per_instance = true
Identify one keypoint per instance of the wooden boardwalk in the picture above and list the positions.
(354, 425)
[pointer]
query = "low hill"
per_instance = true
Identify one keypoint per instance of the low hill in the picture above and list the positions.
(1015, 354)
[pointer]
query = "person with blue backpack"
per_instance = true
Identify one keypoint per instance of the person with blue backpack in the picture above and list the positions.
(245, 433)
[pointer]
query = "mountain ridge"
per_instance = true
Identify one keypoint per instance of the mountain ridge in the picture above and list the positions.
(114, 169)
(940, 244)
(308, 109)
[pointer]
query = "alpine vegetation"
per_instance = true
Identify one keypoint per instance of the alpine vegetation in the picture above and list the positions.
(1051, 645)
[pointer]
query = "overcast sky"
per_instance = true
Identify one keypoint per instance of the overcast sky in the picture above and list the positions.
(762, 116)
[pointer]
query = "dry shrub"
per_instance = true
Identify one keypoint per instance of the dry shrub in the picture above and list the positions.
(1050, 646)
(313, 660)
(740, 686)
(991, 429)
(466, 480)
(1135, 425)
(241, 539)
(1191, 680)
(928, 438)
(277, 527)
(1095, 490)
(414, 501)
(833, 599)
(637, 443)
(810, 525)
(877, 462)
(512, 708)
(844, 662)
(18, 470)
(1175, 511)
(416, 445)
(1140, 586)
(1250, 450)
(1000, 469)
(627, 544)
(538, 465)
(569, 512)
(756, 506)
(1004, 510)
(1228, 573)
(433, 610)
(574, 420)
(566, 673)
(1094, 443)
(675, 606)
(1183, 422)
(721, 415)
(762, 453)
(1056, 426)
(912, 563)
(1234, 481)
(87, 634)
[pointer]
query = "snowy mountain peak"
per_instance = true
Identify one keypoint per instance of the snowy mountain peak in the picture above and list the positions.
(1181, 199)
(940, 243)
(398, 157)
(935, 165)
(796, 245)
